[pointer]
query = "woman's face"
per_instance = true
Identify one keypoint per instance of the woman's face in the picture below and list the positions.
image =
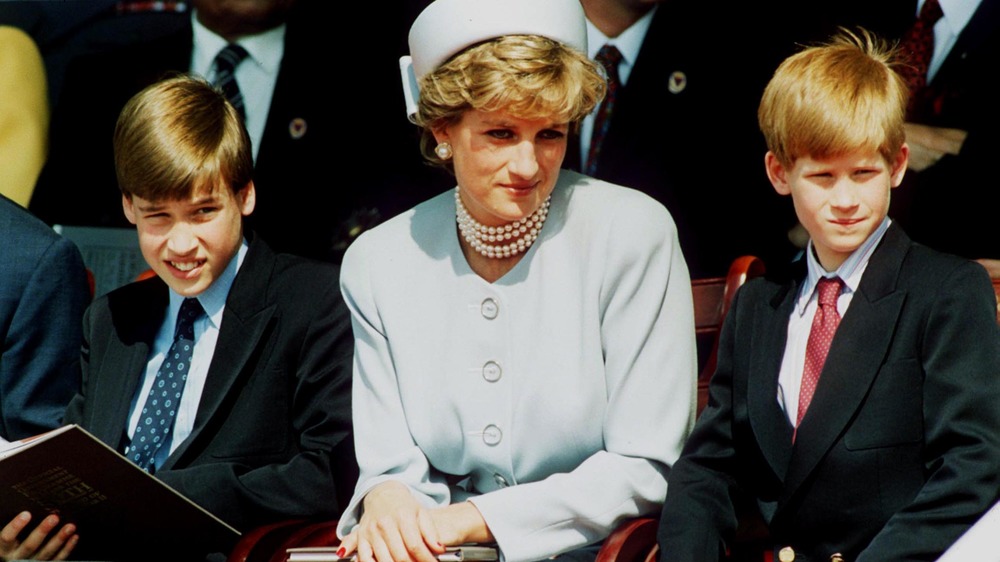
(505, 166)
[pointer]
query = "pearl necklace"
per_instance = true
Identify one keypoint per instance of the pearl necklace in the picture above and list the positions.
(521, 233)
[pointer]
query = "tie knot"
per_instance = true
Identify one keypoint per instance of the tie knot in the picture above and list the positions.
(610, 57)
(829, 289)
(229, 58)
(190, 311)
(931, 12)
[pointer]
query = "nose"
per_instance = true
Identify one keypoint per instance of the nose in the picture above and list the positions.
(524, 160)
(182, 240)
(844, 195)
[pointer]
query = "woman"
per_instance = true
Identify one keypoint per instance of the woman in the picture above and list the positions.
(526, 377)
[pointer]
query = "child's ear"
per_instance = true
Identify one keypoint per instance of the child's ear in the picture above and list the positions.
(128, 208)
(777, 173)
(899, 165)
(247, 199)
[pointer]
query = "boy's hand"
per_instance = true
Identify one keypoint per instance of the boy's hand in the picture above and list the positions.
(38, 545)
(929, 144)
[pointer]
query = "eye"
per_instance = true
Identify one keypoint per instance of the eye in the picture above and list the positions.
(551, 134)
(501, 134)
(865, 173)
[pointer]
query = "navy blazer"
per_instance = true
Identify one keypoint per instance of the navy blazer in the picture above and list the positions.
(899, 451)
(43, 293)
(272, 436)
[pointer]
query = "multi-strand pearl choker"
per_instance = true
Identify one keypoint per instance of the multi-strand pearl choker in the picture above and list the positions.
(514, 238)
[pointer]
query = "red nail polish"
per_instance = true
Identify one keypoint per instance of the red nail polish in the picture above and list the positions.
(341, 552)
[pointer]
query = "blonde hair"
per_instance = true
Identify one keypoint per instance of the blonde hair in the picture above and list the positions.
(835, 98)
(178, 136)
(528, 76)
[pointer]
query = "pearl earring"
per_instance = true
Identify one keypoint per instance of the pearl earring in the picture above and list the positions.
(443, 150)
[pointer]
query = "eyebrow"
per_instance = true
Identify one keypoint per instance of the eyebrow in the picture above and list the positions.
(154, 207)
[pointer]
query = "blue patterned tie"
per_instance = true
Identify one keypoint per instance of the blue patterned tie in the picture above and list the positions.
(160, 410)
(225, 74)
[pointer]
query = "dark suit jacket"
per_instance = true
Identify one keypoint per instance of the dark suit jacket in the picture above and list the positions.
(78, 185)
(43, 292)
(272, 436)
(899, 451)
(698, 150)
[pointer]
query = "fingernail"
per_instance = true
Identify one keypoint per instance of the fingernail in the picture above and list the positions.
(341, 552)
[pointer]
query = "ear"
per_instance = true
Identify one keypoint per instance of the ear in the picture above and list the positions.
(128, 208)
(440, 133)
(247, 199)
(899, 165)
(777, 173)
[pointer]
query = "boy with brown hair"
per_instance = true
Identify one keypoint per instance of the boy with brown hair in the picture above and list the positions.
(857, 404)
(227, 375)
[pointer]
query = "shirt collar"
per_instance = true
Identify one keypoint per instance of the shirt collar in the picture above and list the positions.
(264, 49)
(850, 272)
(213, 299)
(957, 13)
(628, 42)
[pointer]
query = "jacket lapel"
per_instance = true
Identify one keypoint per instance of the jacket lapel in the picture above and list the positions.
(857, 352)
(769, 423)
(136, 320)
(244, 323)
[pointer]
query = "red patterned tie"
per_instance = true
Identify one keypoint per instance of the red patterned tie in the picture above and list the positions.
(917, 48)
(824, 325)
(610, 57)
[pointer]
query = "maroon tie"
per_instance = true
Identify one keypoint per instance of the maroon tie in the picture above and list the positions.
(610, 57)
(917, 48)
(824, 325)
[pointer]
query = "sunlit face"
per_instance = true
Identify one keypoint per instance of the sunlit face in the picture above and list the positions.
(505, 166)
(189, 242)
(840, 200)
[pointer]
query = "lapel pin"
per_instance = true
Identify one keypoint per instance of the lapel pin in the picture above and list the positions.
(297, 128)
(677, 82)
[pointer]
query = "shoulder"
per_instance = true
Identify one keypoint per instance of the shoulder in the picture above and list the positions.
(592, 203)
(290, 280)
(28, 240)
(412, 235)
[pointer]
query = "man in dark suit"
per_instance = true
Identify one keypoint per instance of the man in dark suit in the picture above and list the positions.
(856, 404)
(684, 94)
(290, 118)
(42, 297)
(228, 374)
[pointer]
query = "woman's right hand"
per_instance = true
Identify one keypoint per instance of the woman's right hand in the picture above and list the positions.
(38, 545)
(393, 527)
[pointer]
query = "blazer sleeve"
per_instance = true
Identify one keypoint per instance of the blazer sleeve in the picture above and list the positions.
(698, 514)
(960, 358)
(39, 370)
(647, 334)
(245, 491)
(385, 449)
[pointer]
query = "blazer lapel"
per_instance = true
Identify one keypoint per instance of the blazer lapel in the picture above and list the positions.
(244, 323)
(769, 423)
(857, 351)
(136, 320)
